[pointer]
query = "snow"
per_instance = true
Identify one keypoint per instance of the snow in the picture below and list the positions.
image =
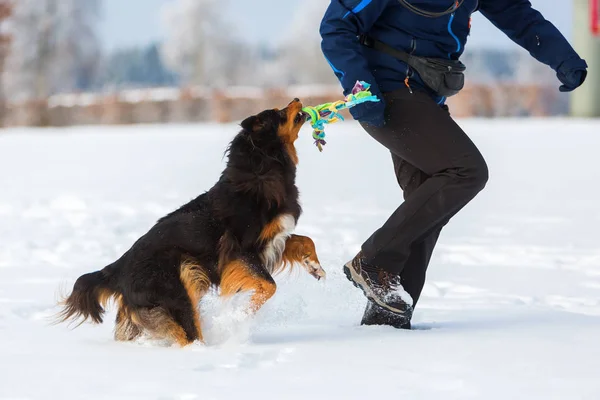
(244, 92)
(162, 94)
(73, 100)
(511, 308)
(304, 91)
(155, 94)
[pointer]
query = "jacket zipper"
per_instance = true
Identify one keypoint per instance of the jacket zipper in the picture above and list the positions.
(451, 32)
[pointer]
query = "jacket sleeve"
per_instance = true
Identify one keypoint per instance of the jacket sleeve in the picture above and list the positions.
(530, 30)
(343, 21)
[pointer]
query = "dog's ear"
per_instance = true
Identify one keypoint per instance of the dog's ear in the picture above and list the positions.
(251, 124)
(259, 123)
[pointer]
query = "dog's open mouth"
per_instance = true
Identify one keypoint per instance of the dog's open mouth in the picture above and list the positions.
(301, 117)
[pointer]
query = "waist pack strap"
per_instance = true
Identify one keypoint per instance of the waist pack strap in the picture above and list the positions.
(414, 61)
(445, 77)
(368, 41)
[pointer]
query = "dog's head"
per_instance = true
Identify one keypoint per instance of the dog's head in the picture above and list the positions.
(277, 125)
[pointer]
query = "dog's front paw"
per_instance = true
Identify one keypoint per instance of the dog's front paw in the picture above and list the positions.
(313, 267)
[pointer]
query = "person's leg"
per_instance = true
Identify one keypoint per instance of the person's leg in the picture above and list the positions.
(410, 178)
(413, 276)
(424, 135)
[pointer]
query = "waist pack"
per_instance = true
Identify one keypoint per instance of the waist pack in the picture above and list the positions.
(444, 77)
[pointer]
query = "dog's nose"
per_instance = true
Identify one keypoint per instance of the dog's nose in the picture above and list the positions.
(296, 100)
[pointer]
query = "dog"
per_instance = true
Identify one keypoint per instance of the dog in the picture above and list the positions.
(234, 237)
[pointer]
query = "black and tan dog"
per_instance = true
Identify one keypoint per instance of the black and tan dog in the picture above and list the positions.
(234, 236)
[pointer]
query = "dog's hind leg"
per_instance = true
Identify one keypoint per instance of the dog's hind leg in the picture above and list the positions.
(241, 275)
(179, 318)
(175, 324)
(125, 328)
(196, 282)
(184, 318)
(163, 304)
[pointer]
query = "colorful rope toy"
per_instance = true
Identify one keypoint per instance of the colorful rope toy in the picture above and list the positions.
(329, 113)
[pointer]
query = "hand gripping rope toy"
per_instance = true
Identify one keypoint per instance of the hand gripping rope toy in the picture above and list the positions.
(329, 113)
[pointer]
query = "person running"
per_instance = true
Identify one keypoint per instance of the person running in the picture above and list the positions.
(409, 50)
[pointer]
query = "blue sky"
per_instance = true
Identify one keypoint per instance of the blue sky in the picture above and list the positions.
(133, 22)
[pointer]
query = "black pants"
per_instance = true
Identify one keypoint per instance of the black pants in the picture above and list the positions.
(439, 170)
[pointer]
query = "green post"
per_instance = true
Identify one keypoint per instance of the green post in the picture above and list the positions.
(585, 100)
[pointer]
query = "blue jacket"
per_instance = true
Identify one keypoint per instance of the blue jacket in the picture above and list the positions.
(443, 37)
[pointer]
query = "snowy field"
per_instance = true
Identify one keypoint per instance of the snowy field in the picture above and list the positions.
(511, 309)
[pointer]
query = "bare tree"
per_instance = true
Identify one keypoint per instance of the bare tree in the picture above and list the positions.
(55, 46)
(301, 58)
(200, 46)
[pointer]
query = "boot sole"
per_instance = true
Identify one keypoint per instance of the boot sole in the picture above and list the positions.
(361, 284)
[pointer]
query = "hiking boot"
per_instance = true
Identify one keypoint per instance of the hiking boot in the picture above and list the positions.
(378, 286)
(376, 315)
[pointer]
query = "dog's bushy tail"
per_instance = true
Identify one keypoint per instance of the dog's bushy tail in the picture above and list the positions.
(91, 293)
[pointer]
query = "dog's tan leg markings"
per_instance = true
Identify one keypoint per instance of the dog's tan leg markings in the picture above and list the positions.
(196, 283)
(160, 325)
(125, 328)
(274, 235)
(270, 230)
(301, 250)
(237, 277)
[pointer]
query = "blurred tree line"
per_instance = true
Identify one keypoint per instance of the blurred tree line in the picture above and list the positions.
(55, 48)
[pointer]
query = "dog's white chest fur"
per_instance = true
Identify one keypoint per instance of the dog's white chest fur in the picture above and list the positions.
(273, 253)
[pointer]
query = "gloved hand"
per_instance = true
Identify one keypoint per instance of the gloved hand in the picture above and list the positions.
(572, 74)
(372, 113)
